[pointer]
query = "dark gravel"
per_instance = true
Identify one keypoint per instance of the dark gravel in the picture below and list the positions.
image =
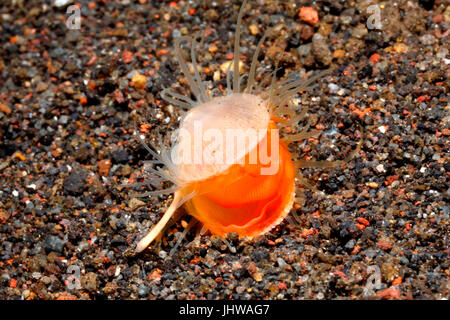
(68, 104)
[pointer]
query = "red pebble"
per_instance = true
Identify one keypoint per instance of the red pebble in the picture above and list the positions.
(282, 286)
(363, 221)
(229, 56)
(309, 15)
(13, 283)
(384, 244)
(438, 18)
(375, 58)
(127, 56)
(389, 293)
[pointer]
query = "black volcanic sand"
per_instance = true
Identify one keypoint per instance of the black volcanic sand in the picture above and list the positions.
(67, 117)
